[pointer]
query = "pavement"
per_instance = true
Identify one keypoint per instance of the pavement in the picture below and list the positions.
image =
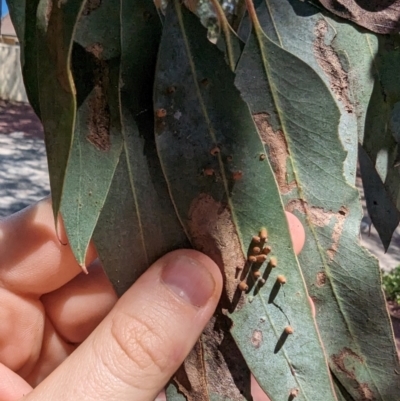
(23, 173)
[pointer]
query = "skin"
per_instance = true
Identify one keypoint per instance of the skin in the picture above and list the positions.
(65, 335)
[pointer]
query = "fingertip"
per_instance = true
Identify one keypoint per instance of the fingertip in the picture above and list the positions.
(297, 232)
(203, 260)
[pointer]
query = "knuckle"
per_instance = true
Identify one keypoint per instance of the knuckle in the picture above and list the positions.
(139, 342)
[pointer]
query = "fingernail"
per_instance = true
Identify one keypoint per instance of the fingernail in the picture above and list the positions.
(189, 279)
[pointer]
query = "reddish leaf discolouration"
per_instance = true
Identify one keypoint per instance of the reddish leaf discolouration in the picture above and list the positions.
(344, 362)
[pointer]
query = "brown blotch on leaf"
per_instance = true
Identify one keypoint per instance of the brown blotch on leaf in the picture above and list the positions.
(171, 89)
(90, 5)
(278, 151)
(321, 279)
(329, 61)
(257, 338)
(213, 232)
(237, 175)
(381, 16)
(161, 113)
(322, 218)
(345, 362)
(208, 171)
(215, 150)
(99, 112)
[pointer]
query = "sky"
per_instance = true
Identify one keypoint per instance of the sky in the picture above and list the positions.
(4, 8)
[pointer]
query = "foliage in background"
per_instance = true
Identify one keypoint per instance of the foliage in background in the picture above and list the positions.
(168, 128)
(391, 284)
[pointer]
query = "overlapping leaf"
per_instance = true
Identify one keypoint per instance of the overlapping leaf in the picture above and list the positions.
(224, 191)
(22, 13)
(138, 219)
(299, 122)
(381, 16)
(51, 49)
(97, 142)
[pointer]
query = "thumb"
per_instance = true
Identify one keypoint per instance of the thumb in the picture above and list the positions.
(141, 343)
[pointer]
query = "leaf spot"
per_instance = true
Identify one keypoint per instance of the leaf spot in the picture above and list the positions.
(322, 218)
(257, 338)
(99, 113)
(278, 150)
(321, 279)
(330, 63)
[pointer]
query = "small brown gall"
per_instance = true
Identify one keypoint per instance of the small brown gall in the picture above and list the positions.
(266, 250)
(252, 259)
(237, 175)
(243, 286)
(289, 330)
(273, 262)
(161, 113)
(257, 274)
(229, 158)
(256, 250)
(263, 234)
(256, 239)
(293, 393)
(171, 89)
(215, 150)
(261, 258)
(261, 282)
(208, 171)
(262, 156)
(281, 279)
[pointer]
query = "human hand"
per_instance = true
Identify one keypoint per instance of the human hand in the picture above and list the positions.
(131, 354)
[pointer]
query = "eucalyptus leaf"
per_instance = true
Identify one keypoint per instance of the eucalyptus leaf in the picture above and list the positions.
(21, 13)
(381, 16)
(224, 192)
(298, 121)
(98, 141)
(138, 217)
(55, 27)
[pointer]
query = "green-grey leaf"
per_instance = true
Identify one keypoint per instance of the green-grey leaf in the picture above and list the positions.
(381, 139)
(138, 218)
(22, 13)
(54, 34)
(299, 120)
(98, 141)
(224, 192)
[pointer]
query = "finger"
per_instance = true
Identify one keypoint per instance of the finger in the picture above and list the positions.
(141, 343)
(33, 259)
(12, 386)
(21, 331)
(77, 308)
(297, 232)
(54, 351)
